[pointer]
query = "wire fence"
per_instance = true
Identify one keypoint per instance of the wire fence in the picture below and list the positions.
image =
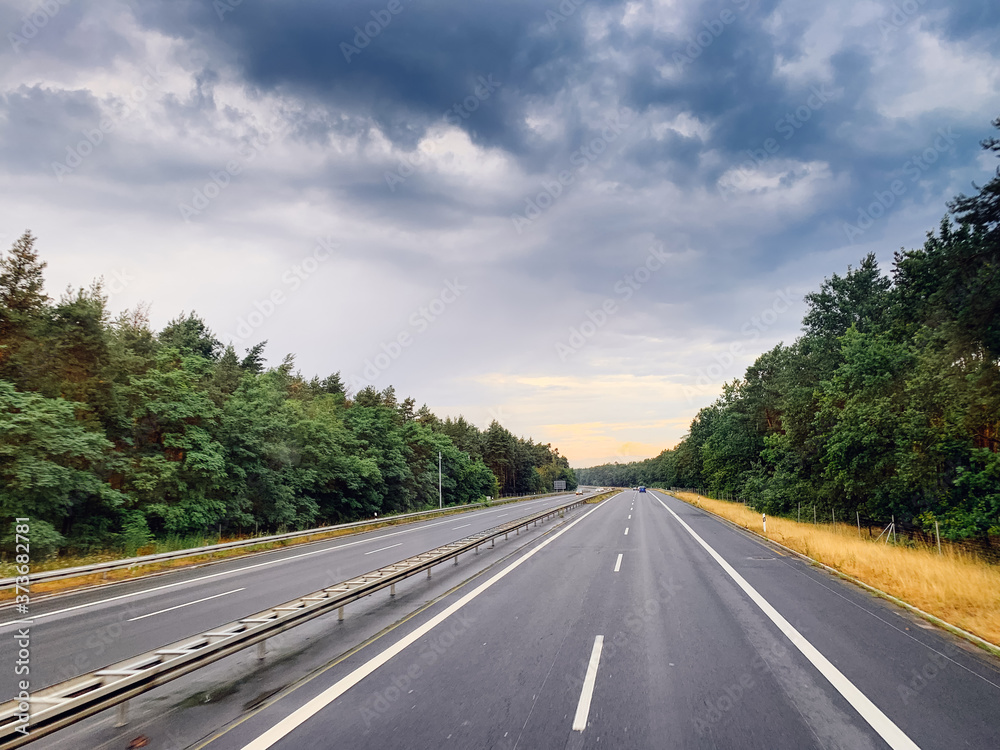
(891, 529)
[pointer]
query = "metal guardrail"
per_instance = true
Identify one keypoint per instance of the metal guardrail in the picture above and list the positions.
(67, 702)
(133, 562)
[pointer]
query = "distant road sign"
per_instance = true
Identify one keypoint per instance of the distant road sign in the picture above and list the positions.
(559, 484)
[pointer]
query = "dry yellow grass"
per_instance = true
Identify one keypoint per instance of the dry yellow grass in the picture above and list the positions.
(957, 587)
(602, 496)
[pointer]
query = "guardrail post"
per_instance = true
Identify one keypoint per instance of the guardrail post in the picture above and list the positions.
(294, 613)
(209, 551)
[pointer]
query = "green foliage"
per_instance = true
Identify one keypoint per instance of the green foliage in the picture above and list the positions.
(112, 435)
(888, 404)
(520, 466)
(135, 533)
(43, 540)
(21, 279)
(51, 465)
(190, 336)
(22, 306)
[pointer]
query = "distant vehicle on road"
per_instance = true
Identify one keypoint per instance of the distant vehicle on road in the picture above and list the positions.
(642, 489)
(579, 492)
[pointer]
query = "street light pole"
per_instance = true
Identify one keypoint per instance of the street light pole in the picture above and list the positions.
(440, 501)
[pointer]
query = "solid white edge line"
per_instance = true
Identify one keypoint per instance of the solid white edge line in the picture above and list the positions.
(587, 693)
(618, 563)
(247, 567)
(188, 604)
(887, 730)
(317, 704)
(398, 544)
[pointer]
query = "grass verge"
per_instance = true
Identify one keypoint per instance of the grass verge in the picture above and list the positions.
(147, 569)
(602, 496)
(958, 587)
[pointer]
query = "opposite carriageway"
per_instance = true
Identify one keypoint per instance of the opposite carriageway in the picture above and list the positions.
(72, 700)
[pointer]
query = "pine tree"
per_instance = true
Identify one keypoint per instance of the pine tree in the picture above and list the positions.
(21, 279)
(22, 301)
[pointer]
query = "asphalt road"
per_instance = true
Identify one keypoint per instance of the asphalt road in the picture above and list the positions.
(77, 633)
(642, 623)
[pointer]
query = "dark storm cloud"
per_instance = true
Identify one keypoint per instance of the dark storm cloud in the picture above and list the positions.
(406, 68)
(753, 136)
(962, 21)
(419, 61)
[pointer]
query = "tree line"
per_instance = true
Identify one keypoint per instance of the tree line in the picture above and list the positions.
(112, 434)
(888, 404)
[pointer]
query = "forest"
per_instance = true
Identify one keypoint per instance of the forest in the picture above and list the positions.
(113, 434)
(887, 404)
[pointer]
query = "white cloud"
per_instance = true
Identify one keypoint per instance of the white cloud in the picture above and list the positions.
(621, 395)
(941, 76)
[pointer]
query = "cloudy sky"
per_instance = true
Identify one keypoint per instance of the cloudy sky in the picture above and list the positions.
(578, 218)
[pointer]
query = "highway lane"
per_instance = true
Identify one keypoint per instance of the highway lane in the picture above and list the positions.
(688, 658)
(941, 690)
(79, 632)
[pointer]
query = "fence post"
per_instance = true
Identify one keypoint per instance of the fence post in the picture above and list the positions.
(858, 514)
(937, 534)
